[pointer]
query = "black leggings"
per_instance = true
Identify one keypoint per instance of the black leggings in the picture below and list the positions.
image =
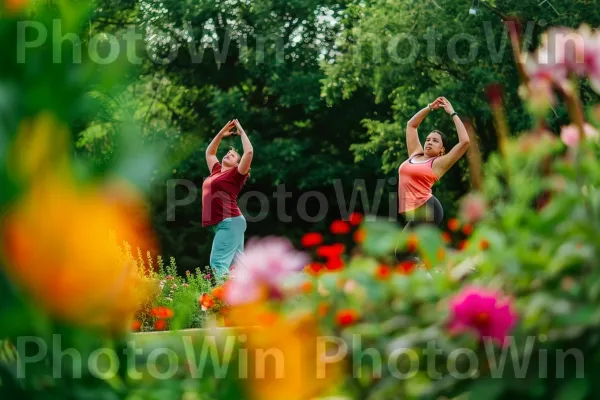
(429, 213)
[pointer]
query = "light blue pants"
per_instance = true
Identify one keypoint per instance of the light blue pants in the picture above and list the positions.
(227, 244)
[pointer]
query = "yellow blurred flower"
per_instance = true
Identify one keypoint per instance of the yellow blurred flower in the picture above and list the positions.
(285, 358)
(60, 240)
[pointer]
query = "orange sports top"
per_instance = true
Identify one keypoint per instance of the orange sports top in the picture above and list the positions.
(415, 180)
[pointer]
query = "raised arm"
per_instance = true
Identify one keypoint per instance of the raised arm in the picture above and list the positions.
(246, 160)
(444, 163)
(412, 135)
(211, 150)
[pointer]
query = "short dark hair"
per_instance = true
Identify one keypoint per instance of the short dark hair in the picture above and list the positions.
(445, 142)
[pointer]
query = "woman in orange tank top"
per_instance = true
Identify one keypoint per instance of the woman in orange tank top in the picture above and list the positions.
(425, 166)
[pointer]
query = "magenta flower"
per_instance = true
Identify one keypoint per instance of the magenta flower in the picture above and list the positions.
(483, 312)
(570, 134)
(264, 268)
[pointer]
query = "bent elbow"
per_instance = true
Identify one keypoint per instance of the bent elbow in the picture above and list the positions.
(249, 153)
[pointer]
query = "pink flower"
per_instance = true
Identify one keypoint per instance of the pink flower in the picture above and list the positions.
(570, 134)
(472, 207)
(564, 51)
(266, 264)
(483, 312)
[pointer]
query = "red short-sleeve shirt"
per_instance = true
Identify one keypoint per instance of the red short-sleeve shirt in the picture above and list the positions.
(219, 195)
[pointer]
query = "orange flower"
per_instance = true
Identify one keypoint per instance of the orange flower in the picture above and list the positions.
(293, 372)
(267, 318)
(218, 293)
(462, 245)
(306, 287)
(383, 272)
(136, 325)
(441, 254)
(359, 236)
(58, 247)
(160, 325)
(206, 301)
(346, 317)
(339, 227)
(323, 309)
(60, 238)
(453, 224)
(412, 243)
(311, 239)
(446, 238)
(484, 244)
(162, 312)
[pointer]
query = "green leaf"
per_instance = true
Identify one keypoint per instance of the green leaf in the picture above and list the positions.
(574, 389)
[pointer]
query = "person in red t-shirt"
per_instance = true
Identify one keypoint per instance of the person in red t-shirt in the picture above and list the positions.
(219, 198)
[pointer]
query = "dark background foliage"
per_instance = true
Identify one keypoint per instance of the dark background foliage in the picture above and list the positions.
(317, 101)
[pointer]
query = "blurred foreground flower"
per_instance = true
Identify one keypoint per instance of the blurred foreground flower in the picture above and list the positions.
(300, 368)
(60, 239)
(570, 134)
(472, 207)
(483, 312)
(263, 270)
(57, 241)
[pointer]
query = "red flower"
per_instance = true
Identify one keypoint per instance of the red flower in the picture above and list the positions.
(346, 317)
(311, 239)
(206, 301)
(355, 218)
(467, 229)
(334, 250)
(314, 268)
(462, 245)
(136, 325)
(160, 325)
(162, 312)
(383, 272)
(339, 227)
(334, 264)
(453, 224)
(406, 267)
